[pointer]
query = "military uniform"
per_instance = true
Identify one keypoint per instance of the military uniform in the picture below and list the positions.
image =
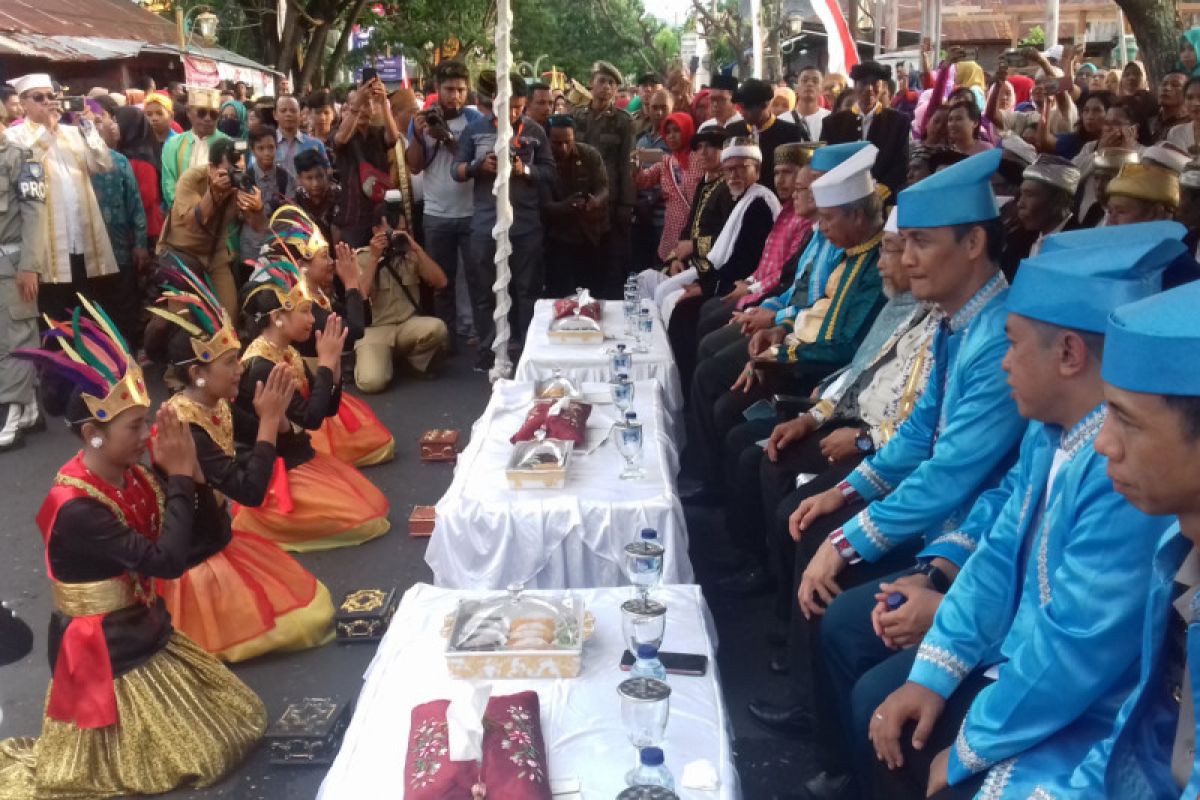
(611, 132)
(22, 211)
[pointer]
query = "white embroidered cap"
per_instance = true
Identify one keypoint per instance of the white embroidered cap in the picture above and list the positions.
(35, 80)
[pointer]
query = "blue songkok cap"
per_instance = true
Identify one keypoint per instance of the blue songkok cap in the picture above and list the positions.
(958, 195)
(828, 157)
(1078, 288)
(1151, 345)
(1111, 235)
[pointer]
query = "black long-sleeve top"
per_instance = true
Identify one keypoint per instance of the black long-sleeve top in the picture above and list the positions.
(306, 413)
(350, 306)
(88, 543)
(747, 251)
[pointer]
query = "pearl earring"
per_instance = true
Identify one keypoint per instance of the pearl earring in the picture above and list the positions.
(278, 323)
(200, 383)
(96, 442)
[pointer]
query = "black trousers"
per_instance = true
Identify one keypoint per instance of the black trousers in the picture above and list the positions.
(714, 315)
(575, 265)
(910, 781)
(528, 276)
(58, 300)
(681, 331)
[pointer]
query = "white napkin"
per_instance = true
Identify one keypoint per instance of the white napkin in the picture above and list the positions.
(700, 775)
(464, 720)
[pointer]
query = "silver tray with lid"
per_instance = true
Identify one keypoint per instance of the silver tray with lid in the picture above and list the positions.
(557, 386)
(579, 328)
(517, 635)
(539, 464)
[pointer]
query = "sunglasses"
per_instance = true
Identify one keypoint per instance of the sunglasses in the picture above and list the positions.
(205, 113)
(42, 97)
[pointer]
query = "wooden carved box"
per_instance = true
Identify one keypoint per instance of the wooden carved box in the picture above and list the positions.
(309, 731)
(422, 520)
(439, 445)
(364, 615)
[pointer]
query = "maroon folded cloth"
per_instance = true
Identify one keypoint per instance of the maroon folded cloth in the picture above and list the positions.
(568, 425)
(566, 307)
(514, 754)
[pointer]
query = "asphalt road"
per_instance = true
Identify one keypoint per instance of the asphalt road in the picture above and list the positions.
(768, 765)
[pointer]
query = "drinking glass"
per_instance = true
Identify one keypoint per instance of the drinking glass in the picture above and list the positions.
(645, 709)
(643, 622)
(630, 307)
(645, 327)
(644, 566)
(622, 393)
(629, 445)
(621, 361)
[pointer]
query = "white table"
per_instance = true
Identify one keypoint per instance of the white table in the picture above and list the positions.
(591, 362)
(580, 724)
(488, 536)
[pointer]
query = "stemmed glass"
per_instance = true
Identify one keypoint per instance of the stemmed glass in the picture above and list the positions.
(643, 621)
(644, 567)
(621, 361)
(630, 307)
(645, 709)
(645, 327)
(622, 393)
(629, 445)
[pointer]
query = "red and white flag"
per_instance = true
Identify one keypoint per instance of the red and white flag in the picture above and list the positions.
(404, 72)
(842, 53)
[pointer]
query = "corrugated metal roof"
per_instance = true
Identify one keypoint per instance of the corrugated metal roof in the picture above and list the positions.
(67, 48)
(964, 29)
(105, 19)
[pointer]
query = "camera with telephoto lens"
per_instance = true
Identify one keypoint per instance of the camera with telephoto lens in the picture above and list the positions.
(241, 179)
(393, 203)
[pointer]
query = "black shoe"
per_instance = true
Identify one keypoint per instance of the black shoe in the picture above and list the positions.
(485, 361)
(779, 663)
(749, 582)
(794, 720)
(829, 787)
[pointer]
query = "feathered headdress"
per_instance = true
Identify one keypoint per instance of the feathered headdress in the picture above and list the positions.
(199, 312)
(283, 279)
(93, 355)
(296, 234)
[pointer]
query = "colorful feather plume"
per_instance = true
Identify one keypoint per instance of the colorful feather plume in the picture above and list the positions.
(91, 353)
(295, 233)
(183, 287)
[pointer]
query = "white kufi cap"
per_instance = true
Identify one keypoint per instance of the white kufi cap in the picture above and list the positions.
(36, 80)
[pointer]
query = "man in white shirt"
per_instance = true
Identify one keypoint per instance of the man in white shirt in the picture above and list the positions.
(720, 98)
(290, 141)
(808, 114)
(74, 251)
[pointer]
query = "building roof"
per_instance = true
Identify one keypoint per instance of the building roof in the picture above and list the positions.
(95, 30)
(975, 29)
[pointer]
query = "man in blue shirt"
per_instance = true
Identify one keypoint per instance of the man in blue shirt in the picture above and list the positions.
(290, 140)
(530, 184)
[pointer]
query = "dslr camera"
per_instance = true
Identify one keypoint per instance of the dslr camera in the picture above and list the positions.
(398, 246)
(436, 125)
(241, 178)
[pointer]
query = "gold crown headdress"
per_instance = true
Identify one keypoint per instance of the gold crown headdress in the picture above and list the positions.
(94, 357)
(285, 280)
(199, 313)
(296, 233)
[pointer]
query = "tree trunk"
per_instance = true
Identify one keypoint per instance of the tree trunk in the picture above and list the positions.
(287, 44)
(1155, 25)
(314, 56)
(343, 42)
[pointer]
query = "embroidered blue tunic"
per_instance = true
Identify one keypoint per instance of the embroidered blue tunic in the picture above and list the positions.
(959, 441)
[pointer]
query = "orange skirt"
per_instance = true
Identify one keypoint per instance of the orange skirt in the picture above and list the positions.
(249, 599)
(332, 505)
(354, 436)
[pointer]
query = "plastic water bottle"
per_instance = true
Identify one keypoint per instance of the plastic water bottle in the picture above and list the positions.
(651, 771)
(647, 664)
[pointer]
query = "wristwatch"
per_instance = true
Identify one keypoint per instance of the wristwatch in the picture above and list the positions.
(939, 580)
(864, 443)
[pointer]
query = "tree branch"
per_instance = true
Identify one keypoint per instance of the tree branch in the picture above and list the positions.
(647, 42)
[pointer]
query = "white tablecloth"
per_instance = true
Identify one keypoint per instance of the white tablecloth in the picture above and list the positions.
(581, 723)
(488, 536)
(591, 362)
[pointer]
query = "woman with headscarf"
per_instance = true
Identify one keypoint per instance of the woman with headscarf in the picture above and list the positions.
(784, 101)
(701, 108)
(969, 75)
(137, 144)
(1133, 80)
(1189, 52)
(1022, 90)
(233, 120)
(677, 176)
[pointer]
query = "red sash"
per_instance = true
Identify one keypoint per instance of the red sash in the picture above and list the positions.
(82, 690)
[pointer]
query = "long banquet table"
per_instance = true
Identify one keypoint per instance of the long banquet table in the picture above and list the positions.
(490, 536)
(583, 733)
(590, 362)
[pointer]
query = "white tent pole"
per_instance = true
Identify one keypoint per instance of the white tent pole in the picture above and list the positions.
(504, 214)
(756, 36)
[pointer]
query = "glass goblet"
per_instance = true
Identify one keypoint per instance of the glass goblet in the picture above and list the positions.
(643, 622)
(645, 709)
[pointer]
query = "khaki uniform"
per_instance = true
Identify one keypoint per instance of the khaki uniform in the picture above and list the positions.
(396, 328)
(22, 215)
(611, 132)
(208, 247)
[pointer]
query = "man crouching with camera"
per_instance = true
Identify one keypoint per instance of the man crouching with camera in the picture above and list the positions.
(392, 271)
(208, 200)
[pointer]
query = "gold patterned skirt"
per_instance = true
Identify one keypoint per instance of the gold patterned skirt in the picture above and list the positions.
(185, 719)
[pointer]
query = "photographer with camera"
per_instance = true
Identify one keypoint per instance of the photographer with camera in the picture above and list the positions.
(366, 133)
(432, 147)
(530, 186)
(209, 200)
(392, 271)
